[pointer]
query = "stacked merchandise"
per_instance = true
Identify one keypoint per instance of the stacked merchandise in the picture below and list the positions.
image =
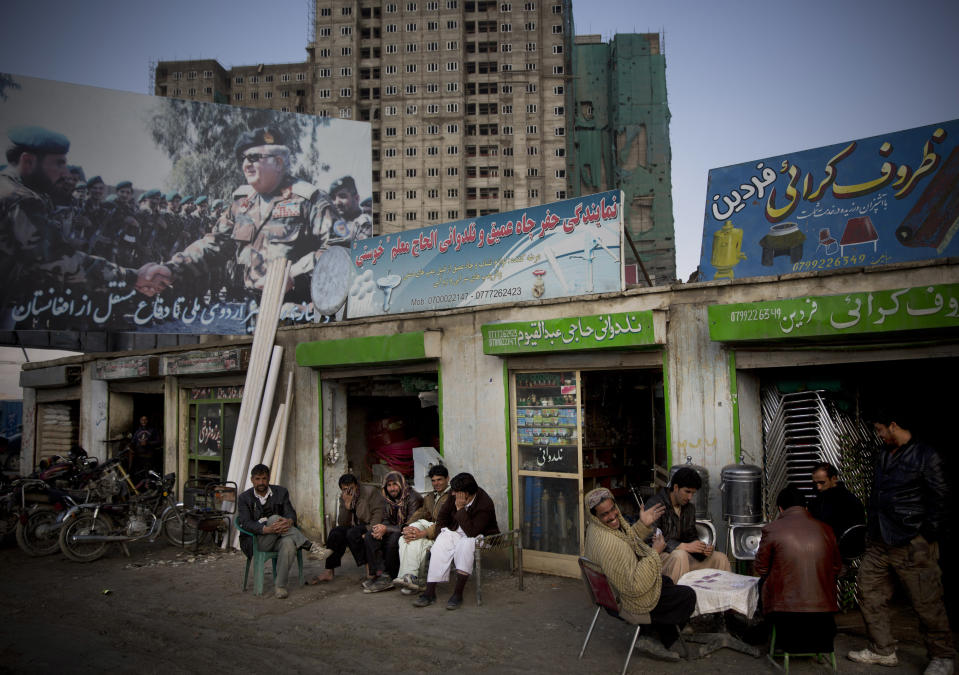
(388, 444)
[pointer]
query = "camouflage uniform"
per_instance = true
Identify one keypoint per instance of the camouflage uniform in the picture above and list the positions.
(296, 222)
(34, 249)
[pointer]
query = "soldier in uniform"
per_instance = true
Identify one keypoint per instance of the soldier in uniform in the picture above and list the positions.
(130, 250)
(346, 200)
(272, 216)
(31, 241)
(101, 230)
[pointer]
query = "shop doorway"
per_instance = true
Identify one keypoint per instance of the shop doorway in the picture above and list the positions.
(575, 430)
(136, 426)
(831, 421)
(388, 416)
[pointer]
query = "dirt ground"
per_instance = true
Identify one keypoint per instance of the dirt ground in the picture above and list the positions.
(166, 610)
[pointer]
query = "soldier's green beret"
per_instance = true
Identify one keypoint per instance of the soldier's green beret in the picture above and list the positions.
(344, 183)
(77, 171)
(145, 196)
(257, 137)
(93, 181)
(39, 140)
(170, 196)
(151, 193)
(217, 203)
(367, 202)
(186, 199)
(124, 184)
(200, 200)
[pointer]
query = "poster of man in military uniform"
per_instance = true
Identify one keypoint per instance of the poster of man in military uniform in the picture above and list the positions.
(186, 204)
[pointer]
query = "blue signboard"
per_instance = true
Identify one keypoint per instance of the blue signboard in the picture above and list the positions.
(875, 201)
(572, 247)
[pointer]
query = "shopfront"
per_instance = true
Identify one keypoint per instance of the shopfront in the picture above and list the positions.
(812, 370)
(587, 408)
(379, 397)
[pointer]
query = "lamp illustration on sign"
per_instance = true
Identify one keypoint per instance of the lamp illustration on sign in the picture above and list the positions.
(387, 284)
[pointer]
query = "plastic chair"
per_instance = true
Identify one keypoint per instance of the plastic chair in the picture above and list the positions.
(786, 655)
(601, 594)
(259, 559)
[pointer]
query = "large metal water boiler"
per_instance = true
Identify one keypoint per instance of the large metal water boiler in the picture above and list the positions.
(741, 485)
(701, 500)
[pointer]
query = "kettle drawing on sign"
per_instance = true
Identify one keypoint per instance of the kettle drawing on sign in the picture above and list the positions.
(727, 242)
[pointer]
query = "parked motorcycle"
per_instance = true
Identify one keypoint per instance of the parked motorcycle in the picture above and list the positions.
(58, 484)
(144, 511)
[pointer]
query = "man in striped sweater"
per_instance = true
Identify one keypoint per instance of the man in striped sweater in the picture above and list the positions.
(634, 569)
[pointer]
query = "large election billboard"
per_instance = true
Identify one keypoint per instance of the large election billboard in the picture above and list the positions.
(873, 201)
(130, 213)
(566, 248)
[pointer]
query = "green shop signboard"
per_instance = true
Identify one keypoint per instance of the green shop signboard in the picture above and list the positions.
(601, 331)
(917, 308)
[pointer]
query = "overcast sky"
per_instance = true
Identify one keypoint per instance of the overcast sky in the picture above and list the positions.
(746, 79)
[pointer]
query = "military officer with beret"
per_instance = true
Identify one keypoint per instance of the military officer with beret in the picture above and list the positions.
(101, 232)
(272, 216)
(31, 241)
(346, 200)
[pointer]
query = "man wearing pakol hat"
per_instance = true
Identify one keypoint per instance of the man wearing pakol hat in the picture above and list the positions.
(272, 216)
(31, 239)
(634, 569)
(353, 223)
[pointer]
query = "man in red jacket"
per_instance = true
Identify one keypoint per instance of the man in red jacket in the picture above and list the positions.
(466, 515)
(799, 559)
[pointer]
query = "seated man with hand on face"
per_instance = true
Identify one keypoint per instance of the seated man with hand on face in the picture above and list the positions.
(684, 552)
(266, 511)
(799, 560)
(360, 505)
(420, 533)
(382, 541)
(468, 513)
(634, 569)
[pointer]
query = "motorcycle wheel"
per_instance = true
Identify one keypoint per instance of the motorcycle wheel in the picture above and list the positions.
(79, 551)
(31, 541)
(178, 530)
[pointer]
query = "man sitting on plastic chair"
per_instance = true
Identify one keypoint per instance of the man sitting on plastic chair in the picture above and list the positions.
(635, 570)
(799, 560)
(266, 511)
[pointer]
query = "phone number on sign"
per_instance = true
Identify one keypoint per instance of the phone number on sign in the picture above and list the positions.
(460, 297)
(827, 263)
(755, 314)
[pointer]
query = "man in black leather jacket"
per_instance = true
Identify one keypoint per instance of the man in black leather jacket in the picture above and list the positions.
(907, 511)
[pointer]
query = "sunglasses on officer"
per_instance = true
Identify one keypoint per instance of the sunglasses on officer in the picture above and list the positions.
(254, 157)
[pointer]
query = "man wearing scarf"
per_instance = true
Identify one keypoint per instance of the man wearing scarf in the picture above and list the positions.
(634, 569)
(400, 501)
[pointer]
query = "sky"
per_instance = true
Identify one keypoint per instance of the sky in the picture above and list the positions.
(746, 79)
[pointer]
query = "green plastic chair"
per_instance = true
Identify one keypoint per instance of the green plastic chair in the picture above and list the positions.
(259, 563)
(786, 655)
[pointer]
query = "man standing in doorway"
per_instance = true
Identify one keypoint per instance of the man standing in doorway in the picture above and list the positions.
(684, 552)
(907, 512)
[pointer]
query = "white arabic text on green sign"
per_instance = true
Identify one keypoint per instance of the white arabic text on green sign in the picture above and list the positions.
(917, 308)
(601, 331)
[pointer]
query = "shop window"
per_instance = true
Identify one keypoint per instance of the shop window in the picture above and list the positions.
(214, 413)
